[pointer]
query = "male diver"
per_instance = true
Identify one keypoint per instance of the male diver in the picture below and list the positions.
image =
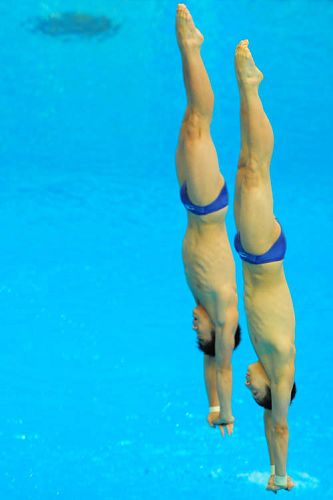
(208, 261)
(261, 245)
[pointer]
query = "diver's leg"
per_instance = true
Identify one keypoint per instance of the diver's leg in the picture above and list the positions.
(197, 162)
(242, 161)
(256, 220)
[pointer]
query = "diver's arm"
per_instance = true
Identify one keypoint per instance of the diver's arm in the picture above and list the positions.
(224, 345)
(268, 433)
(210, 380)
(281, 389)
(211, 389)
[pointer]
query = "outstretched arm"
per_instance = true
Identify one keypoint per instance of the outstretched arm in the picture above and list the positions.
(210, 380)
(224, 345)
(279, 434)
(225, 327)
(211, 389)
(268, 433)
(213, 417)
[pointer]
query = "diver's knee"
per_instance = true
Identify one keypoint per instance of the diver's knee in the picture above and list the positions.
(243, 160)
(194, 127)
(280, 429)
(253, 175)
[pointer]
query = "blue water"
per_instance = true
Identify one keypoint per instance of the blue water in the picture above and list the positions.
(102, 394)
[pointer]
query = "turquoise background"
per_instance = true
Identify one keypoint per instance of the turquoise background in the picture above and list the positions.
(102, 393)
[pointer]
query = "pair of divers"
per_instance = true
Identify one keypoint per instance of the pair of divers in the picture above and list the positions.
(260, 243)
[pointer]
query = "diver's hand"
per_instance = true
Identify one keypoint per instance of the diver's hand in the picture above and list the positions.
(213, 415)
(224, 423)
(271, 486)
(270, 482)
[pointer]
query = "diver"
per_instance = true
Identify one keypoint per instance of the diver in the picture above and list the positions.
(261, 244)
(207, 256)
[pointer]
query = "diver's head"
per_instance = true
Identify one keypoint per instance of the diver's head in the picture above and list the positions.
(259, 384)
(205, 329)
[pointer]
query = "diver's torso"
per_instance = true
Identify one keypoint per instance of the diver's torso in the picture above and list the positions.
(269, 310)
(208, 260)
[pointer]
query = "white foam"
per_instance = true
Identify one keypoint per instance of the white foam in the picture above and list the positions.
(302, 480)
(305, 480)
(256, 477)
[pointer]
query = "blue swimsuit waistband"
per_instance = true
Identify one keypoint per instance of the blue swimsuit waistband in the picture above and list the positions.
(274, 254)
(220, 202)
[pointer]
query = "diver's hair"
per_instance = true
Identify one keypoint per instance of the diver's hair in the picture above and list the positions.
(209, 347)
(266, 401)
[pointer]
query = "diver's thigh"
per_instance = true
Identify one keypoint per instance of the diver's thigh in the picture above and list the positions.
(257, 224)
(203, 177)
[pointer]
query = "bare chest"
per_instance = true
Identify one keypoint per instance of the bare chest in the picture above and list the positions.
(271, 320)
(208, 265)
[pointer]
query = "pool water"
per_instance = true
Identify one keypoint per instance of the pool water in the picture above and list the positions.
(102, 393)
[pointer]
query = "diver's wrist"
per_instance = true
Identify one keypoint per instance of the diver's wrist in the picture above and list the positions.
(227, 416)
(281, 480)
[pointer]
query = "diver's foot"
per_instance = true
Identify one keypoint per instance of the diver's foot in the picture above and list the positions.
(188, 36)
(248, 75)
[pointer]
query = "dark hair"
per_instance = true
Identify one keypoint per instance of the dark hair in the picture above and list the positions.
(266, 401)
(209, 347)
